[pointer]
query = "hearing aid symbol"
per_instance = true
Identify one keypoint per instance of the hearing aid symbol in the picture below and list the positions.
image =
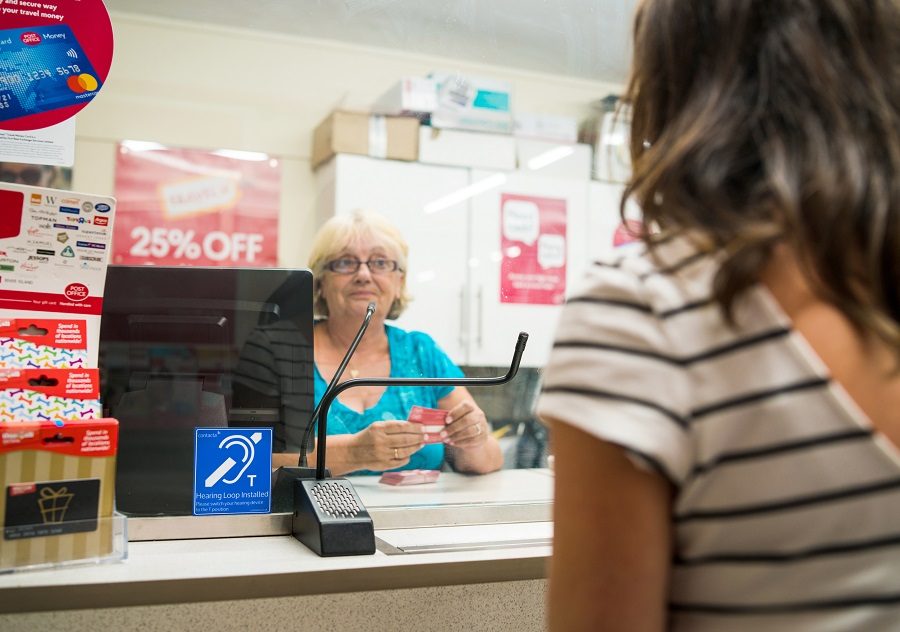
(248, 452)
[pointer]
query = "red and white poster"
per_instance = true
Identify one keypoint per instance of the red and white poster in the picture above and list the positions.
(194, 207)
(533, 244)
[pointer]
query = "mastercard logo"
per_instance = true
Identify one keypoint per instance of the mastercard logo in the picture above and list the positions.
(82, 83)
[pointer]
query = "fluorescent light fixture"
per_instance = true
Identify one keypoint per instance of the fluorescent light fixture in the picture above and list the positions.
(549, 157)
(465, 193)
(140, 145)
(255, 156)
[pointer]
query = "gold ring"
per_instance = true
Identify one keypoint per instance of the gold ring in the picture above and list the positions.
(396, 456)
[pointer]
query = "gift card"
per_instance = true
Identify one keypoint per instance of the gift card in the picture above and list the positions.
(51, 508)
(410, 477)
(433, 421)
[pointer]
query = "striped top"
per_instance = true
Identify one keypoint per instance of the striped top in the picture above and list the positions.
(275, 370)
(787, 506)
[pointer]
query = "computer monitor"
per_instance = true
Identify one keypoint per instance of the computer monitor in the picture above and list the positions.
(188, 347)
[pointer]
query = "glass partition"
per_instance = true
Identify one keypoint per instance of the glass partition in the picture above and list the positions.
(502, 214)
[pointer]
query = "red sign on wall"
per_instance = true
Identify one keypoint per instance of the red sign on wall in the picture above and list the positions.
(533, 244)
(187, 206)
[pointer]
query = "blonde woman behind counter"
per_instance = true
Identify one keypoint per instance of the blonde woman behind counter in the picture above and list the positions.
(356, 260)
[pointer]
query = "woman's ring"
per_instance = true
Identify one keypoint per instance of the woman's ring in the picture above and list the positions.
(396, 456)
(477, 430)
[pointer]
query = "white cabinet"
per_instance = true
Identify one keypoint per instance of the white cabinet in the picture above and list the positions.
(497, 275)
(604, 218)
(451, 218)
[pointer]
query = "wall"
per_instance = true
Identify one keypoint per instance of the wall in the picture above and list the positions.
(192, 85)
(517, 605)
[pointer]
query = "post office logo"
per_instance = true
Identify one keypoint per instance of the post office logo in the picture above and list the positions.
(76, 292)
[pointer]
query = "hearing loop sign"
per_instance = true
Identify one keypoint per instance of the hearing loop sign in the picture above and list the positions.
(232, 470)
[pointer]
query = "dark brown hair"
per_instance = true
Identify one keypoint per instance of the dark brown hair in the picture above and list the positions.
(763, 121)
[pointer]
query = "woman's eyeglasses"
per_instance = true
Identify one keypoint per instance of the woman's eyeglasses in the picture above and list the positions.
(349, 265)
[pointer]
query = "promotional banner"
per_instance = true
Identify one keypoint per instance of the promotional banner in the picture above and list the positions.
(187, 206)
(54, 59)
(533, 246)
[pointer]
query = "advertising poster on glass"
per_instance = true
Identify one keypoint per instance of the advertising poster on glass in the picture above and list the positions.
(193, 207)
(533, 247)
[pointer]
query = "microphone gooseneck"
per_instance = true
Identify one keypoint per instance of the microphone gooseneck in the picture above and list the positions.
(370, 310)
(331, 394)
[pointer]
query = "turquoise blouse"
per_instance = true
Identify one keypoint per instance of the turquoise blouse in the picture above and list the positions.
(413, 354)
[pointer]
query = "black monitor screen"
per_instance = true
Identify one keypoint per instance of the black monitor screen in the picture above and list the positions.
(188, 347)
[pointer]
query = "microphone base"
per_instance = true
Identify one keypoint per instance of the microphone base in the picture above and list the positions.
(283, 486)
(330, 519)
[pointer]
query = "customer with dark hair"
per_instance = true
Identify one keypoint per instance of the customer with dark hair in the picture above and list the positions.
(725, 406)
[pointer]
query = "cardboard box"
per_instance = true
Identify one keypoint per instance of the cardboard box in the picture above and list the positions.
(612, 155)
(458, 148)
(473, 103)
(394, 137)
(58, 491)
(563, 129)
(559, 160)
(411, 96)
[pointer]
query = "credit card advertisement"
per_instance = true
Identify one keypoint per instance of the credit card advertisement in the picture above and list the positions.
(54, 59)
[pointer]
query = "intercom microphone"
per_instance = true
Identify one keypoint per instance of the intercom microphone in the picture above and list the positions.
(284, 477)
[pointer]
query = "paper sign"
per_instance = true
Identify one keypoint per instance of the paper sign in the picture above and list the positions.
(54, 59)
(187, 206)
(232, 470)
(533, 247)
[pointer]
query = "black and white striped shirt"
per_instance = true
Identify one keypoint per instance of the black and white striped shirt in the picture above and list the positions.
(787, 513)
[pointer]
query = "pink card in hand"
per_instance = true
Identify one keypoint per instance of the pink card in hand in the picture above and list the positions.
(433, 421)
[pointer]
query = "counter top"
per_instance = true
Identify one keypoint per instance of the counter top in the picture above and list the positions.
(504, 545)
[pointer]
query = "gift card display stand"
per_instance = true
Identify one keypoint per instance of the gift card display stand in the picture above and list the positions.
(103, 540)
(57, 500)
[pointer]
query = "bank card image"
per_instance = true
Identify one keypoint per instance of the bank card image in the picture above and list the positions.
(43, 68)
(433, 421)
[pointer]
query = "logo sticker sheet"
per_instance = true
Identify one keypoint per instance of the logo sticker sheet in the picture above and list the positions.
(54, 249)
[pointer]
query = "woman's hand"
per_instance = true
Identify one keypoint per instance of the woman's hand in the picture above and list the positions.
(467, 427)
(471, 446)
(385, 445)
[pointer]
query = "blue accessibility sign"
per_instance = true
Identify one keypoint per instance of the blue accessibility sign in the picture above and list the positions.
(232, 470)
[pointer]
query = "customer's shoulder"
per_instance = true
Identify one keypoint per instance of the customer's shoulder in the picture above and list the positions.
(669, 276)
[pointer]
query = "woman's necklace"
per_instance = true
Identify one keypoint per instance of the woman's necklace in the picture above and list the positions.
(354, 373)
